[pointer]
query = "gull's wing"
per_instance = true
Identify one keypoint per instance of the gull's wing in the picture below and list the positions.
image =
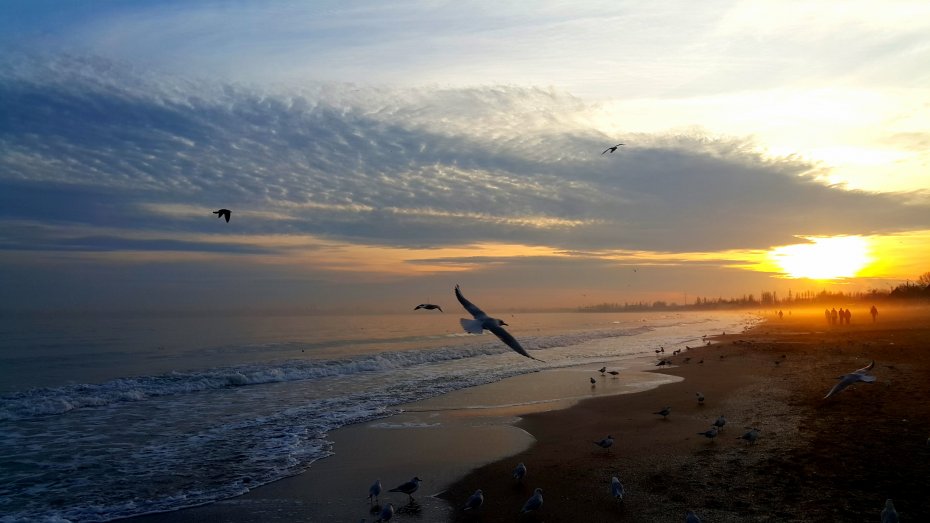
(843, 383)
(605, 150)
(867, 367)
(509, 340)
(475, 311)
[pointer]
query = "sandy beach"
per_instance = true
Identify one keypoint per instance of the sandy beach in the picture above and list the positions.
(816, 459)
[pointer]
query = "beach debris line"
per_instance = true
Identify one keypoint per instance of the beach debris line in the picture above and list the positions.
(534, 503)
(223, 213)
(374, 491)
(605, 443)
(409, 487)
(853, 377)
(483, 322)
(428, 306)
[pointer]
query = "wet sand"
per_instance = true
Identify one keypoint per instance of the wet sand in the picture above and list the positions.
(816, 460)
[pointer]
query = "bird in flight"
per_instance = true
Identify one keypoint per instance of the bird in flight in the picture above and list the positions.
(848, 379)
(225, 213)
(611, 150)
(483, 322)
(427, 306)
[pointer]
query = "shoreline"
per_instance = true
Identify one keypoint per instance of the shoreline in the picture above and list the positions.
(452, 435)
(666, 467)
(816, 460)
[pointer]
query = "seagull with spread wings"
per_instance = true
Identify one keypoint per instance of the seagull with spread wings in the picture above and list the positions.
(223, 213)
(853, 377)
(612, 149)
(483, 322)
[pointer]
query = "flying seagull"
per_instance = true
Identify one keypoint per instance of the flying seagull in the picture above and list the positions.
(225, 213)
(427, 306)
(612, 149)
(409, 487)
(848, 379)
(484, 322)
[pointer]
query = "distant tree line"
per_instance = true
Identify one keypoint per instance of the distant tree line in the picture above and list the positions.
(918, 290)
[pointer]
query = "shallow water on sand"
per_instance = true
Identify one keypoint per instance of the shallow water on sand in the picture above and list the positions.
(111, 417)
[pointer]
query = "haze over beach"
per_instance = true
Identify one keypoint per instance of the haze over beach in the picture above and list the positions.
(207, 204)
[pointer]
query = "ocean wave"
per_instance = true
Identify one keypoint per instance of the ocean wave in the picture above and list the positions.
(61, 400)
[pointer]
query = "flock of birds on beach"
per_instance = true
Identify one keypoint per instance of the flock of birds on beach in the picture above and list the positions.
(481, 322)
(616, 488)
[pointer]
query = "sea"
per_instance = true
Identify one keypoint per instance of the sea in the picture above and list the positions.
(104, 417)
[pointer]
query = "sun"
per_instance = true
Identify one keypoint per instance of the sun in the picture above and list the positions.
(824, 258)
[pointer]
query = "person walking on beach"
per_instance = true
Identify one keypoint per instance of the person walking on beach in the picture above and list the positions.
(848, 316)
(833, 316)
(874, 312)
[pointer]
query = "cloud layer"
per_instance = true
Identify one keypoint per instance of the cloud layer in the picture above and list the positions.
(98, 157)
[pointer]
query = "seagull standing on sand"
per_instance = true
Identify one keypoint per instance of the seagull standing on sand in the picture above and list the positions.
(386, 513)
(614, 373)
(223, 213)
(374, 491)
(427, 306)
(612, 149)
(593, 381)
(700, 398)
(710, 434)
(605, 443)
(602, 370)
(721, 421)
(616, 489)
(475, 501)
(889, 514)
(853, 377)
(409, 487)
(664, 412)
(534, 503)
(520, 472)
(483, 322)
(751, 436)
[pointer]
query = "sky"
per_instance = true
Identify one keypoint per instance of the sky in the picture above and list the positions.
(375, 154)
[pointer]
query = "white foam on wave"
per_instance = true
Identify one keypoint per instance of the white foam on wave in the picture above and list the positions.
(60, 400)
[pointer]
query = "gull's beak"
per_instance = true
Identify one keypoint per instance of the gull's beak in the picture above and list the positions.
(504, 323)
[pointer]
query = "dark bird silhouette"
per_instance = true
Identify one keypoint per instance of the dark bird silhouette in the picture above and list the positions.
(409, 487)
(427, 306)
(664, 412)
(224, 213)
(483, 322)
(613, 373)
(612, 149)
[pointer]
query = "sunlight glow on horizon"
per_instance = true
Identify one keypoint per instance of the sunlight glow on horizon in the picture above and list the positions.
(824, 258)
